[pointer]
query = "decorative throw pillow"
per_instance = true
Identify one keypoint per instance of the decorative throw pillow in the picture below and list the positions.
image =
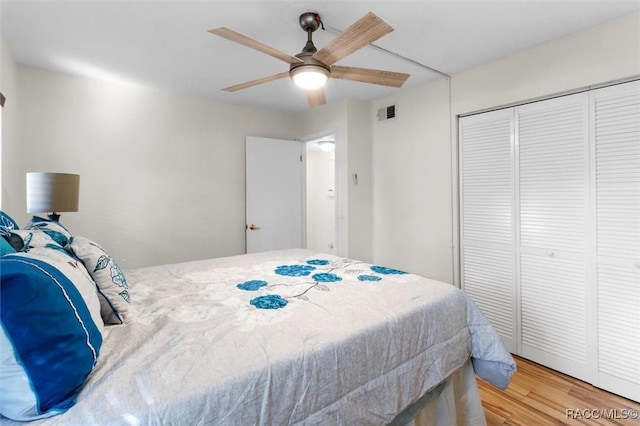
(113, 290)
(55, 230)
(7, 224)
(51, 333)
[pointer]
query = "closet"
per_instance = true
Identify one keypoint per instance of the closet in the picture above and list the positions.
(550, 231)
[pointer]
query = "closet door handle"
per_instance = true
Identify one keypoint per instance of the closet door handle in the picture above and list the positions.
(550, 253)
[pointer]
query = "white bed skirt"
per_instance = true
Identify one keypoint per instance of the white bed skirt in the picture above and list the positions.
(458, 405)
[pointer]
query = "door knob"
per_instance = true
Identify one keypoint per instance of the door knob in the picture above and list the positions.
(253, 227)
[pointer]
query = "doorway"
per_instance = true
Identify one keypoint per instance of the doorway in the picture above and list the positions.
(320, 194)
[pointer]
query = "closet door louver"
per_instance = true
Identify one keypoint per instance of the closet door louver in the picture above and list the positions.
(616, 142)
(487, 238)
(553, 203)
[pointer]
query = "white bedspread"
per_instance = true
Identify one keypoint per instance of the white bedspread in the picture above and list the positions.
(353, 351)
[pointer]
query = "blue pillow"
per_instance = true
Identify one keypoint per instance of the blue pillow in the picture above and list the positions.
(7, 224)
(55, 230)
(51, 333)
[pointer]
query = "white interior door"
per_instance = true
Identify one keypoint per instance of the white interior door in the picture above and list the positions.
(274, 195)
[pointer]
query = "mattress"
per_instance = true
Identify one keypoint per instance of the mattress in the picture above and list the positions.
(284, 337)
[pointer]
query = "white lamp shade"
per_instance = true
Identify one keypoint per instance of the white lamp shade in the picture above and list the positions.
(52, 192)
(310, 77)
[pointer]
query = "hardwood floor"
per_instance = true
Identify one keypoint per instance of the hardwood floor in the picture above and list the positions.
(540, 396)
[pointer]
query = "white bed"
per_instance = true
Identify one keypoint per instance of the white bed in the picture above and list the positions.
(354, 344)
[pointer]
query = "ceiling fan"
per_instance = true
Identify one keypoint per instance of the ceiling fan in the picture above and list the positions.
(311, 68)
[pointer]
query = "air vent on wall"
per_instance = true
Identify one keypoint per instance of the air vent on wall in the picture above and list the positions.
(387, 113)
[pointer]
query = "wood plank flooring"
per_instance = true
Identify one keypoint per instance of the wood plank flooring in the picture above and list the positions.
(538, 396)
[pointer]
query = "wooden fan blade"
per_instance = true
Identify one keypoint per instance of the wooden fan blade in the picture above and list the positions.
(316, 97)
(366, 30)
(254, 44)
(255, 82)
(366, 75)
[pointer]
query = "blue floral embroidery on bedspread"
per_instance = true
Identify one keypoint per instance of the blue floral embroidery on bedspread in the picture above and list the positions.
(386, 271)
(316, 281)
(253, 285)
(294, 270)
(270, 301)
(326, 278)
(368, 278)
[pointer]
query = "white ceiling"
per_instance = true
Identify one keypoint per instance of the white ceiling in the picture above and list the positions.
(165, 44)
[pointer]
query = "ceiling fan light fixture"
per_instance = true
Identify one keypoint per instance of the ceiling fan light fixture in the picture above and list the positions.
(327, 145)
(309, 77)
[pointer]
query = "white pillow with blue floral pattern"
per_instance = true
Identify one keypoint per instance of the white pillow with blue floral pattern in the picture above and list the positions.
(55, 230)
(32, 238)
(113, 290)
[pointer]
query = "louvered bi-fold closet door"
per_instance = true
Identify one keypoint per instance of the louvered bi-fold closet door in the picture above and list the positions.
(486, 217)
(552, 164)
(616, 139)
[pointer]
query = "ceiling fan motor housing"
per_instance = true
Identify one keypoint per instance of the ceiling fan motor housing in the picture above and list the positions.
(310, 21)
(307, 61)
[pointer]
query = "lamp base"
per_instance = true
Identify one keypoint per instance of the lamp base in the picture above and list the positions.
(54, 216)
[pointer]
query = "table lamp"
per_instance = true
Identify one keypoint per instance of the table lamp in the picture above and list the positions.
(52, 193)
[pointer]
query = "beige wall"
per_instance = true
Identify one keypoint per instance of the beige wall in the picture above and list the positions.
(360, 189)
(597, 55)
(162, 176)
(11, 160)
(412, 183)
